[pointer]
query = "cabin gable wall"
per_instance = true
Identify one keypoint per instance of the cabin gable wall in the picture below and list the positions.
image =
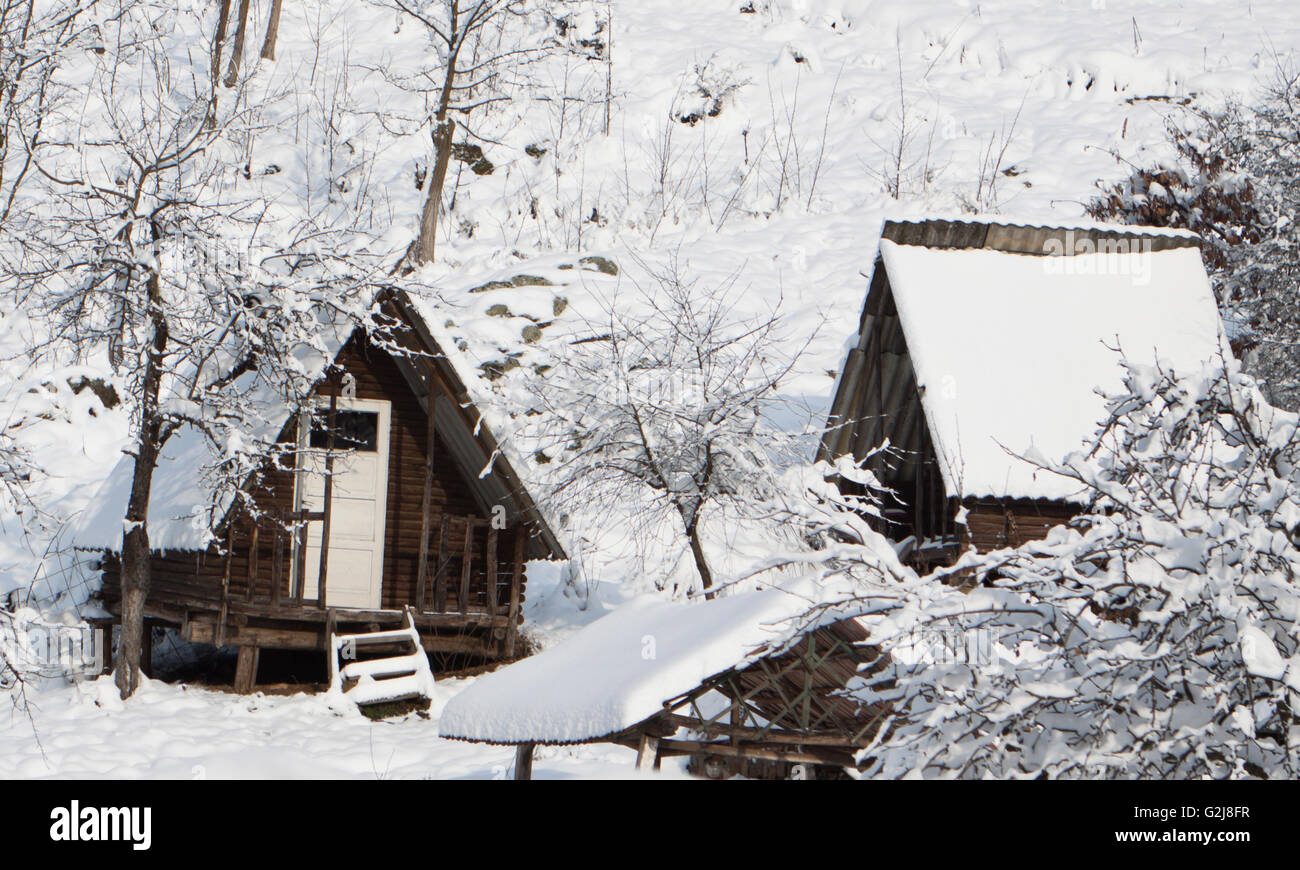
(196, 579)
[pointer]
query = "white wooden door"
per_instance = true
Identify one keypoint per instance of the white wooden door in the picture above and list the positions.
(358, 503)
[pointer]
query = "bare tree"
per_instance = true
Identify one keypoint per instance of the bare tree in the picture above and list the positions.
(272, 30)
(474, 53)
(146, 249)
(237, 50)
(672, 406)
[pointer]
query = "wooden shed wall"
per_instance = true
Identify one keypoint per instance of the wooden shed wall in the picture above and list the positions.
(993, 524)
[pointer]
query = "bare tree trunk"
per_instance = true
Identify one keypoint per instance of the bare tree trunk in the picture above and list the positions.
(237, 50)
(272, 31)
(135, 544)
(701, 561)
(424, 244)
(218, 42)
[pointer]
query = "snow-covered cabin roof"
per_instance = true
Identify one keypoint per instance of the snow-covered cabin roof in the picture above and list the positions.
(994, 340)
(622, 668)
(185, 505)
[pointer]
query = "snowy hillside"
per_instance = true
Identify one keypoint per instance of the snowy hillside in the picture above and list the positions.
(762, 142)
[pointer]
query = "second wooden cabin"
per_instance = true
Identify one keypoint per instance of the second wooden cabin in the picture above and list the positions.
(983, 344)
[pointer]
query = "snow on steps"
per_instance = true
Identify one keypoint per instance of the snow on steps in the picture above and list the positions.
(379, 680)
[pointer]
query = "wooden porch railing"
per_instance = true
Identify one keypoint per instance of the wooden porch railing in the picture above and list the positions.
(471, 567)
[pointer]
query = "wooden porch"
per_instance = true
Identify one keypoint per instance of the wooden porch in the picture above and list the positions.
(466, 595)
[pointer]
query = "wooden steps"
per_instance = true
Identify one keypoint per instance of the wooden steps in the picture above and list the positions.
(391, 676)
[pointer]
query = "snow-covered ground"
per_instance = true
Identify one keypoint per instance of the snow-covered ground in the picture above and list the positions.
(179, 732)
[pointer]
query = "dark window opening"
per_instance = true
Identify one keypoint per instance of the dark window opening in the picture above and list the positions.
(353, 430)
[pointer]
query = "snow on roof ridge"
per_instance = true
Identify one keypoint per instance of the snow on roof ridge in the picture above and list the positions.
(1078, 224)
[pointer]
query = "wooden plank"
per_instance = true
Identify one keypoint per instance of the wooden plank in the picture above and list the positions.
(300, 556)
(516, 592)
(312, 637)
(647, 754)
(490, 596)
(220, 638)
(331, 658)
(466, 564)
(669, 746)
(440, 576)
(277, 561)
(426, 510)
(252, 558)
(524, 761)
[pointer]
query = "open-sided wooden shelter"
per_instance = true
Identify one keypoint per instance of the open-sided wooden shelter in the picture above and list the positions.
(983, 344)
(754, 683)
(396, 502)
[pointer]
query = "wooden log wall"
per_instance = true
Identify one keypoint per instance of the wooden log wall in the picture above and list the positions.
(993, 525)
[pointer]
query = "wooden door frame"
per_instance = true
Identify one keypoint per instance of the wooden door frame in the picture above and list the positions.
(383, 435)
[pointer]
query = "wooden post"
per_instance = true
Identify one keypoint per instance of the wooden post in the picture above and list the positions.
(491, 596)
(440, 571)
(331, 658)
(524, 761)
(647, 754)
(466, 563)
(329, 493)
(146, 649)
(426, 520)
(246, 669)
(252, 558)
(106, 638)
(277, 560)
(516, 590)
(225, 586)
(300, 557)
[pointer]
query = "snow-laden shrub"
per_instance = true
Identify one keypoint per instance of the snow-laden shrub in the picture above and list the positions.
(1235, 180)
(1156, 637)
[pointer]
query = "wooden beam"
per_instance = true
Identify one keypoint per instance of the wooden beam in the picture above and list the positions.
(440, 574)
(516, 593)
(300, 556)
(647, 754)
(466, 564)
(277, 560)
(220, 638)
(313, 638)
(754, 750)
(524, 761)
(845, 742)
(426, 518)
(490, 598)
(252, 556)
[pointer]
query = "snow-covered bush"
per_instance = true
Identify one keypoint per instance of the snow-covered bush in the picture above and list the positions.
(1158, 636)
(1236, 182)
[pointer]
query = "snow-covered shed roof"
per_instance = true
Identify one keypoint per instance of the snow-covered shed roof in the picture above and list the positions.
(185, 505)
(993, 341)
(622, 669)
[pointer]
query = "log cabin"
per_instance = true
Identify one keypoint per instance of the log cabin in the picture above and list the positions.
(982, 345)
(396, 505)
